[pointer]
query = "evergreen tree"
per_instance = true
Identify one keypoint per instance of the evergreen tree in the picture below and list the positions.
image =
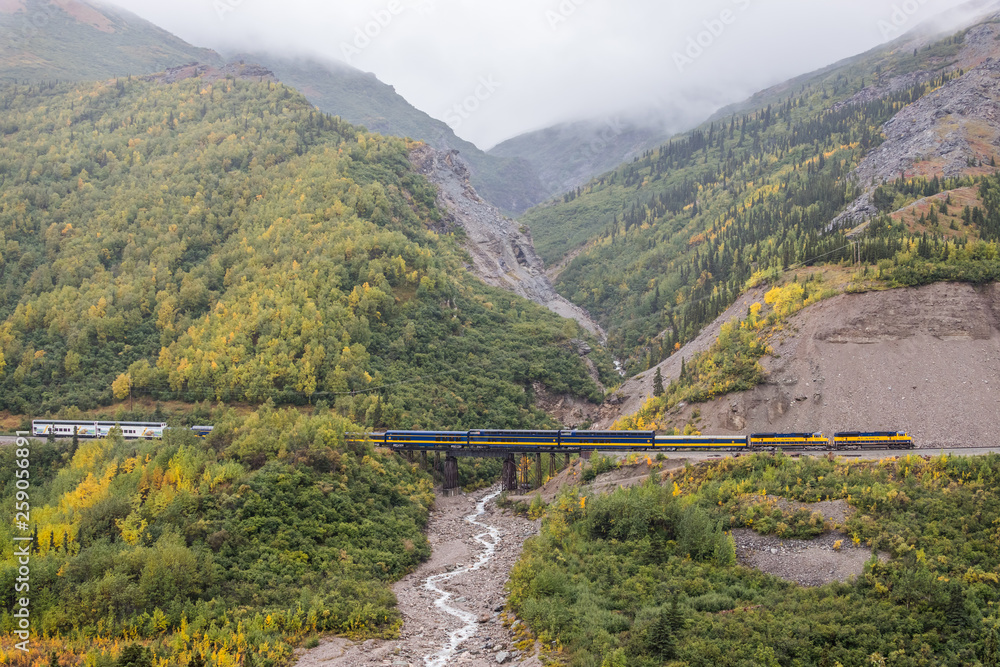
(955, 613)
(674, 616)
(991, 649)
(662, 641)
(134, 655)
(658, 383)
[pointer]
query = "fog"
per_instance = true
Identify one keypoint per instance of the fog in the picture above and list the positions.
(493, 69)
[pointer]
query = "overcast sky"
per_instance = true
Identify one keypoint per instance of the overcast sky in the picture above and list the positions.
(493, 69)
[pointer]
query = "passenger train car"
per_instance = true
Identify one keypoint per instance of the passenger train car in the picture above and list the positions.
(63, 428)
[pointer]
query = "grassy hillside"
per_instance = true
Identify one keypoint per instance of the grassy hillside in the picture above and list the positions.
(41, 40)
(232, 551)
(672, 237)
(647, 576)
(509, 183)
(226, 241)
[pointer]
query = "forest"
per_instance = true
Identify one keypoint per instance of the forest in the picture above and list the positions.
(648, 576)
(222, 240)
(231, 552)
(672, 238)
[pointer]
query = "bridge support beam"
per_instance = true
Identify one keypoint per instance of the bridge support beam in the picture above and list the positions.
(552, 465)
(437, 462)
(567, 460)
(508, 477)
(423, 460)
(586, 454)
(538, 471)
(450, 473)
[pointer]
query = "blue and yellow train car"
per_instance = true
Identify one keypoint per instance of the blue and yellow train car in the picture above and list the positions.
(723, 443)
(872, 440)
(788, 441)
(424, 439)
(607, 439)
(496, 439)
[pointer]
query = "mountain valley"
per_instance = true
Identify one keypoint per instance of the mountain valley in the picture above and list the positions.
(284, 248)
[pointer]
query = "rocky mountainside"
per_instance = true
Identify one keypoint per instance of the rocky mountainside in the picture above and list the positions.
(925, 360)
(502, 251)
(509, 183)
(630, 396)
(952, 131)
(81, 41)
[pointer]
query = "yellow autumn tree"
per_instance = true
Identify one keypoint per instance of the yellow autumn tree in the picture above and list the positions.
(122, 386)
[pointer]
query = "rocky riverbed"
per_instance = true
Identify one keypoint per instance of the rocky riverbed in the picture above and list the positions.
(428, 628)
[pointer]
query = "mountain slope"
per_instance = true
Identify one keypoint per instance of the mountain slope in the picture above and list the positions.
(951, 132)
(509, 183)
(670, 239)
(502, 251)
(568, 155)
(77, 40)
(223, 240)
(925, 360)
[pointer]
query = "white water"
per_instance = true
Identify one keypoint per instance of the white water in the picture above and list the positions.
(490, 538)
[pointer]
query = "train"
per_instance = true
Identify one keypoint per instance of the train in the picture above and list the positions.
(65, 428)
(576, 440)
(528, 440)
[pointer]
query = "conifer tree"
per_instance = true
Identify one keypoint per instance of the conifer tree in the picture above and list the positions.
(955, 613)
(658, 383)
(991, 649)
(662, 638)
(662, 643)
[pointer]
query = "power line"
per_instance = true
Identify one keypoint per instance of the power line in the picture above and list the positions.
(190, 388)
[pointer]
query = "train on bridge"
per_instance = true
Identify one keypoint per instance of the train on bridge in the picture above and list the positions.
(577, 440)
(479, 440)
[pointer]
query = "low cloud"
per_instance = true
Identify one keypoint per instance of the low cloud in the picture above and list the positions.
(550, 61)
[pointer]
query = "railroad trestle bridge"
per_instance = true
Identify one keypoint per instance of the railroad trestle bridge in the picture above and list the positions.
(520, 465)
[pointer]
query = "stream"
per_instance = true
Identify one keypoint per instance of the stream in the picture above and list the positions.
(489, 538)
